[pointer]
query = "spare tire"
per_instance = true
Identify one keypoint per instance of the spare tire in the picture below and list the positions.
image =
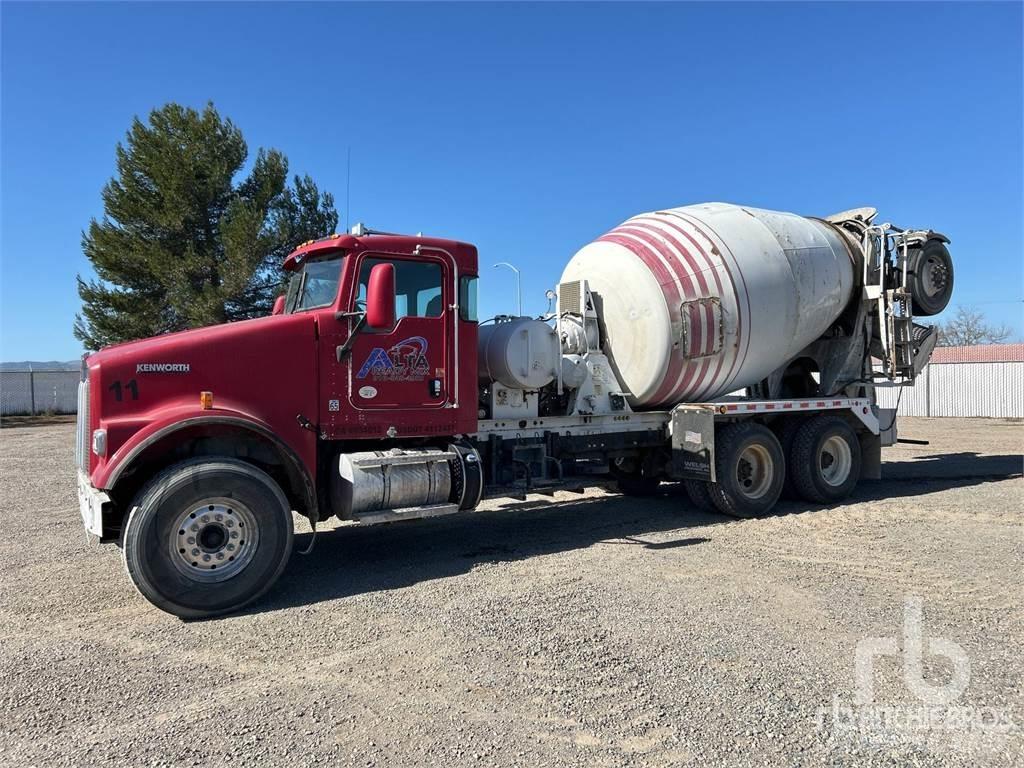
(930, 273)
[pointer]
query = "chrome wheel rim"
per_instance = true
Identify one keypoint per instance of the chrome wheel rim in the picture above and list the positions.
(214, 539)
(835, 460)
(754, 471)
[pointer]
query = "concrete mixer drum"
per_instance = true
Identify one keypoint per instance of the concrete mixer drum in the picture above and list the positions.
(703, 300)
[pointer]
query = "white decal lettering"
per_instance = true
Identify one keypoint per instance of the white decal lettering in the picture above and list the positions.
(162, 368)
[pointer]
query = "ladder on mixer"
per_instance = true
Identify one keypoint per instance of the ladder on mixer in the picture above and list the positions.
(906, 345)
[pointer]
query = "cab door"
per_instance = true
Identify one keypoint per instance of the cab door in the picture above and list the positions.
(406, 367)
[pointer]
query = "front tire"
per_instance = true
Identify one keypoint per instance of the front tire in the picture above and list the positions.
(207, 536)
(749, 470)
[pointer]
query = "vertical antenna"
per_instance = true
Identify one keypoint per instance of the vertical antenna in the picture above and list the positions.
(348, 186)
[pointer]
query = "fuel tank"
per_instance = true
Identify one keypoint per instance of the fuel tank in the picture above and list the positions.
(699, 301)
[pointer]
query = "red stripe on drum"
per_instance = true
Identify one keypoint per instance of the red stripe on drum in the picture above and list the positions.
(741, 298)
(687, 372)
(668, 287)
(708, 386)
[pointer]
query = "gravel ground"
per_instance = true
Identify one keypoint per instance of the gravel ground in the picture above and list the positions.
(596, 630)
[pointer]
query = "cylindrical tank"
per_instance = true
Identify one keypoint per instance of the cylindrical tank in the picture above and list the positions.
(699, 301)
(379, 480)
(520, 353)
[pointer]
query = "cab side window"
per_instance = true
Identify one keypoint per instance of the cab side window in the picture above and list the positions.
(418, 287)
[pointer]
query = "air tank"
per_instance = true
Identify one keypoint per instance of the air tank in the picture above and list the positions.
(699, 301)
(519, 352)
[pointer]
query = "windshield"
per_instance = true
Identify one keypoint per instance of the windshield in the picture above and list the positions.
(315, 284)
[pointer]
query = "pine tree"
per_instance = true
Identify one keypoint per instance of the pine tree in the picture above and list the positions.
(181, 245)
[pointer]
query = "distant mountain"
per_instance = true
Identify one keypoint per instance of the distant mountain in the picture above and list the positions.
(40, 365)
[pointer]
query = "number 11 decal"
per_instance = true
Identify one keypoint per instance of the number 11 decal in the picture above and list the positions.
(132, 386)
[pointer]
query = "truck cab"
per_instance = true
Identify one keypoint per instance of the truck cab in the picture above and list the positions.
(400, 373)
(270, 402)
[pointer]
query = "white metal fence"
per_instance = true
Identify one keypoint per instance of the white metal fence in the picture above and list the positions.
(36, 391)
(994, 389)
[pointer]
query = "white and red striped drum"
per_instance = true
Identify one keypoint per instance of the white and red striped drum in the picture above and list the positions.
(703, 300)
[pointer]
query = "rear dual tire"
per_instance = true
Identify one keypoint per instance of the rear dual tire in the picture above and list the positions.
(699, 492)
(207, 537)
(825, 460)
(815, 459)
(785, 429)
(750, 468)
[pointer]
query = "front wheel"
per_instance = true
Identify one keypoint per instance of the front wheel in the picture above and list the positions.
(207, 536)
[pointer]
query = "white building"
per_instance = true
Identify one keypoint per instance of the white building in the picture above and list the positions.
(984, 380)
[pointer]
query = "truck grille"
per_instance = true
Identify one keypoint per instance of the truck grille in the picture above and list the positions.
(82, 428)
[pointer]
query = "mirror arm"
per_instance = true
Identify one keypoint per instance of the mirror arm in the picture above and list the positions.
(343, 349)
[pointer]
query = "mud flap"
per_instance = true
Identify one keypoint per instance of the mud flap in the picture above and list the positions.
(870, 456)
(693, 442)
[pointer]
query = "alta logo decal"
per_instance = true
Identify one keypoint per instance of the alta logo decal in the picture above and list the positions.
(405, 361)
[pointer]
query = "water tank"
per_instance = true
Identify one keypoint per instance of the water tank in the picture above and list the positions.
(520, 353)
(699, 301)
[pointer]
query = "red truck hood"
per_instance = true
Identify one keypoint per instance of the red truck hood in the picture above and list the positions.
(263, 371)
(180, 341)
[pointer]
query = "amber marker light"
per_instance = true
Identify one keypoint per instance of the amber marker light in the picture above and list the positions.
(206, 400)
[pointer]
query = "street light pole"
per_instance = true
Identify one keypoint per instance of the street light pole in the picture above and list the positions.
(519, 292)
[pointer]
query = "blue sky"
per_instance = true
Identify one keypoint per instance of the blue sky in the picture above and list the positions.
(527, 129)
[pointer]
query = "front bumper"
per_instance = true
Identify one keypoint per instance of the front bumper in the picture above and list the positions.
(90, 503)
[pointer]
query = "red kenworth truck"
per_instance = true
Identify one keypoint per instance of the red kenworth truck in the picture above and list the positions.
(373, 394)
